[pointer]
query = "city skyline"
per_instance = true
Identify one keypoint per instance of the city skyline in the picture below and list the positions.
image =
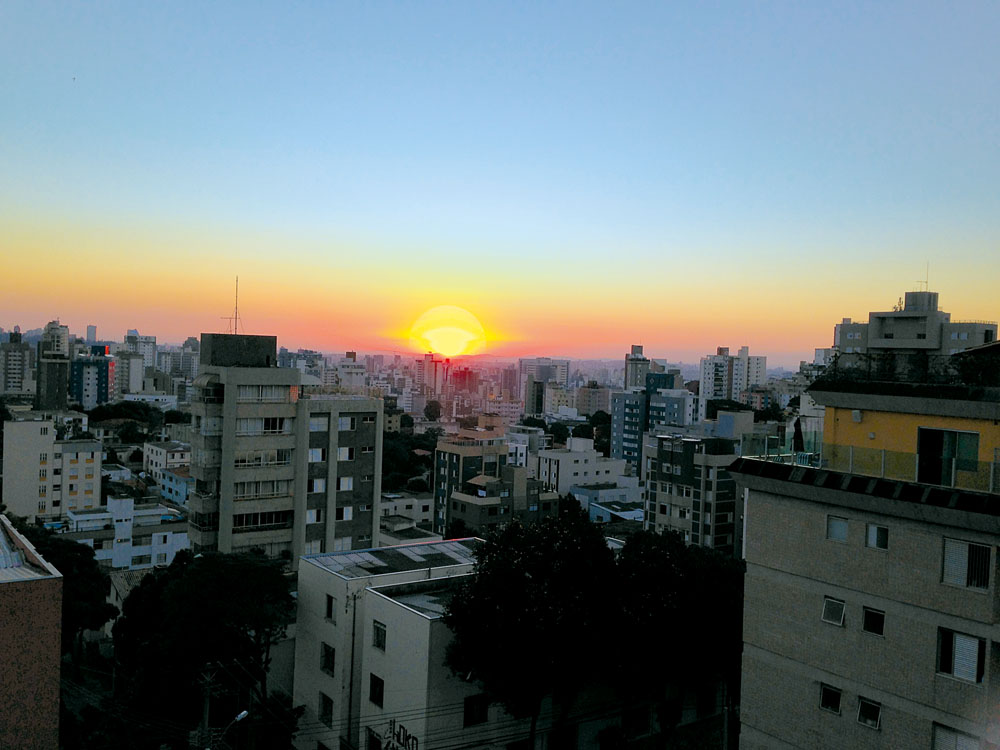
(578, 178)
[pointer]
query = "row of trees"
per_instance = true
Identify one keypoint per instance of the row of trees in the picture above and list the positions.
(597, 428)
(525, 624)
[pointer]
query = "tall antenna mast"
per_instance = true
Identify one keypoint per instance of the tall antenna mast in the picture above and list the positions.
(234, 319)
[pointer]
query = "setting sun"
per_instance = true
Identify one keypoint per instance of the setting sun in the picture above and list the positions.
(448, 330)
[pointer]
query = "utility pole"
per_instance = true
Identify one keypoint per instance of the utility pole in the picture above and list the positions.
(202, 738)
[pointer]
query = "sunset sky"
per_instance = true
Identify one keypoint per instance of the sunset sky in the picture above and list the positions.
(579, 176)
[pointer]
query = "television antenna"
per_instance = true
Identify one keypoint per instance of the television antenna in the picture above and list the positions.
(927, 279)
(234, 319)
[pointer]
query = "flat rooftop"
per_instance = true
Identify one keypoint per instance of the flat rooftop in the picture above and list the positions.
(383, 560)
(429, 598)
(171, 445)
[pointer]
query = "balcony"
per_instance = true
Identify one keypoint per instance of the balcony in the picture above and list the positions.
(978, 476)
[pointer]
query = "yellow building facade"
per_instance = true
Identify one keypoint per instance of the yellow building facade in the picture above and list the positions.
(949, 437)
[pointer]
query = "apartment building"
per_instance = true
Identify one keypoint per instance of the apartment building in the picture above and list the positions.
(52, 367)
(17, 375)
(917, 325)
(636, 368)
(543, 370)
(690, 491)
(873, 622)
(486, 502)
(336, 675)
(92, 380)
(130, 371)
(662, 401)
(30, 644)
(523, 444)
(143, 345)
(126, 535)
(592, 398)
(45, 476)
(725, 376)
(577, 463)
(278, 464)
(459, 458)
(161, 455)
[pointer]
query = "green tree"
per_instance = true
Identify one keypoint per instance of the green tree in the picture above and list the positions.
(85, 585)
(537, 596)
(175, 416)
(220, 611)
(432, 410)
(583, 431)
(600, 418)
(559, 432)
(406, 423)
(131, 433)
(535, 422)
(715, 405)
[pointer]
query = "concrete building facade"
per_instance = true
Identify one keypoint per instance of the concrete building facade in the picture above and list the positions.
(459, 458)
(277, 467)
(30, 644)
(577, 463)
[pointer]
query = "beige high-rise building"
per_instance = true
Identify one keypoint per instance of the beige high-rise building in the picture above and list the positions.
(46, 476)
(278, 465)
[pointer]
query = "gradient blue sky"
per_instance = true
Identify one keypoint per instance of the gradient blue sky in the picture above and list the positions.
(726, 164)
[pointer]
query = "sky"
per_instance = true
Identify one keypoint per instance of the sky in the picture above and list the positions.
(579, 176)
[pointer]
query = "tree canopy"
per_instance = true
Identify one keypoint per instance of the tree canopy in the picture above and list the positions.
(85, 585)
(212, 614)
(556, 583)
(432, 410)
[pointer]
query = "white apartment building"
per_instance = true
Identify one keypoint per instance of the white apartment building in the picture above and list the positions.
(723, 376)
(130, 536)
(44, 476)
(164, 455)
(578, 463)
(144, 345)
(129, 372)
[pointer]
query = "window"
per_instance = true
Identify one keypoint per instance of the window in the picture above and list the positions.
(316, 485)
(319, 424)
(833, 611)
(331, 608)
(942, 452)
(314, 547)
(43, 458)
(327, 657)
(477, 708)
(161, 558)
(829, 698)
(345, 514)
(378, 638)
(946, 738)
(961, 656)
(873, 621)
(345, 484)
(41, 490)
(314, 516)
(43, 431)
(326, 709)
(836, 528)
(877, 537)
(346, 424)
(869, 713)
(345, 453)
(368, 419)
(43, 473)
(368, 449)
(316, 455)
(966, 564)
(376, 689)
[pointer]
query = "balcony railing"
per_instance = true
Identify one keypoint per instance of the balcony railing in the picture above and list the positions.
(978, 476)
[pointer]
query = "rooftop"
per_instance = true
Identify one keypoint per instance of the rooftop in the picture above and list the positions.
(170, 445)
(428, 598)
(384, 560)
(18, 559)
(882, 495)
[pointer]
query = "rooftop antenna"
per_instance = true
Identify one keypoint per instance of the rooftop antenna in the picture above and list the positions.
(927, 278)
(234, 319)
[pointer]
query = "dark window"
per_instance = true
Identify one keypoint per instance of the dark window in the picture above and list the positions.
(869, 713)
(378, 640)
(941, 452)
(961, 656)
(829, 698)
(326, 709)
(477, 709)
(376, 690)
(874, 622)
(331, 608)
(878, 536)
(327, 657)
